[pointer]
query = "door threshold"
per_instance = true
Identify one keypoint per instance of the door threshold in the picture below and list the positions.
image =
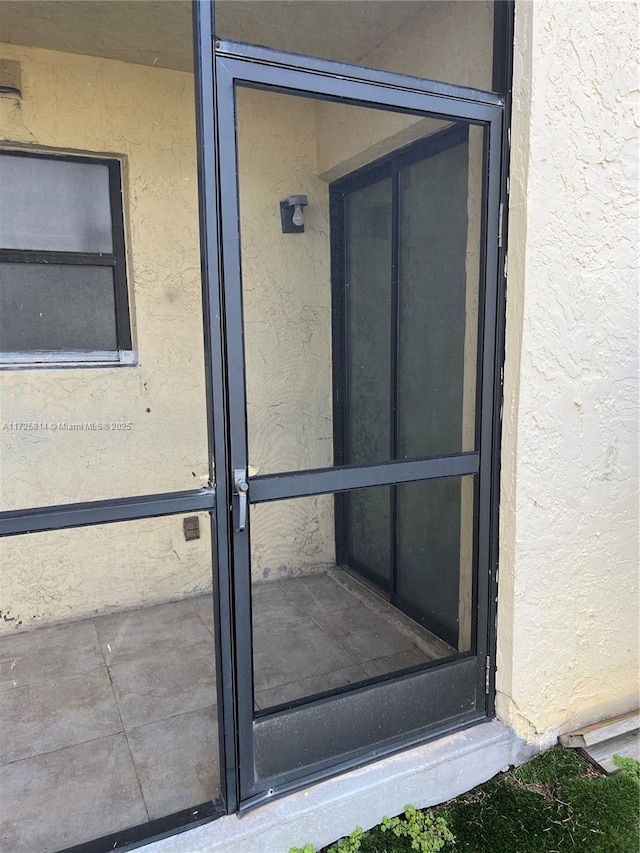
(423, 776)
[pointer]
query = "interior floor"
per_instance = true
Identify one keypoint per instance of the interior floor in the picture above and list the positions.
(110, 722)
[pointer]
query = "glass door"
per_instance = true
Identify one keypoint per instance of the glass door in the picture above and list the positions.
(406, 280)
(359, 288)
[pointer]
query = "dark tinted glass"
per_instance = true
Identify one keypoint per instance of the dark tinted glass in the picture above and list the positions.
(438, 287)
(56, 307)
(54, 205)
(368, 309)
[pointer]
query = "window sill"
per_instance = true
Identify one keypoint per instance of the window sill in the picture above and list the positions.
(39, 360)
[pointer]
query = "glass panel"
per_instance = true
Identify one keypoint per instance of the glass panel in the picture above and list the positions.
(54, 205)
(439, 236)
(368, 309)
(320, 620)
(325, 338)
(450, 41)
(435, 554)
(56, 307)
(108, 700)
(128, 97)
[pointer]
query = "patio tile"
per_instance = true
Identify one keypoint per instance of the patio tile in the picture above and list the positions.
(364, 633)
(294, 652)
(177, 761)
(393, 663)
(69, 796)
(203, 606)
(48, 653)
(310, 686)
(273, 607)
(165, 683)
(318, 593)
(162, 626)
(49, 715)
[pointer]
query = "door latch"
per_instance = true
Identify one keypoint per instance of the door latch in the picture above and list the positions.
(241, 491)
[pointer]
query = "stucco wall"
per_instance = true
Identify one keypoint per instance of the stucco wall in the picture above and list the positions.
(145, 116)
(287, 326)
(70, 574)
(568, 605)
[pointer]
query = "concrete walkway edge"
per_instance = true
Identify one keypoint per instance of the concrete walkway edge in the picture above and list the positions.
(423, 776)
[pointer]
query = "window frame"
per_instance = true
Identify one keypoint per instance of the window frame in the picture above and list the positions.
(116, 260)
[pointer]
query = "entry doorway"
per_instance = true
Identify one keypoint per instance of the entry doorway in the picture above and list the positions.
(360, 479)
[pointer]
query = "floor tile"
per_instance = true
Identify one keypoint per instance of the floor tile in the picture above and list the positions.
(365, 634)
(299, 650)
(69, 796)
(318, 593)
(50, 715)
(177, 761)
(393, 663)
(310, 686)
(163, 626)
(165, 683)
(48, 653)
(203, 606)
(271, 607)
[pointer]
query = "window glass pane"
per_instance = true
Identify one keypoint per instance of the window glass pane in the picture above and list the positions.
(368, 308)
(54, 205)
(330, 610)
(51, 307)
(108, 705)
(452, 41)
(439, 272)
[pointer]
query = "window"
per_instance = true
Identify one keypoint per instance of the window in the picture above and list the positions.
(63, 288)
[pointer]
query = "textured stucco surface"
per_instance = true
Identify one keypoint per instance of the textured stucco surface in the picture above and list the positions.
(71, 574)
(146, 117)
(568, 600)
(287, 325)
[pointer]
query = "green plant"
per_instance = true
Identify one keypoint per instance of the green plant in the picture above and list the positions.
(627, 765)
(309, 848)
(350, 844)
(427, 833)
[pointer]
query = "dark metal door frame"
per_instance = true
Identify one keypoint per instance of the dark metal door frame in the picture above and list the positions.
(280, 72)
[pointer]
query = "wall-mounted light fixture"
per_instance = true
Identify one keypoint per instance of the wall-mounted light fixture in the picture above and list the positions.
(292, 215)
(10, 85)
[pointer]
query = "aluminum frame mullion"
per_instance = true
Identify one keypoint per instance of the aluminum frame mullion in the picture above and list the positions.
(86, 514)
(217, 402)
(325, 480)
(301, 83)
(270, 56)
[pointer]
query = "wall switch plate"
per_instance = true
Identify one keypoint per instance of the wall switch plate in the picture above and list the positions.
(191, 527)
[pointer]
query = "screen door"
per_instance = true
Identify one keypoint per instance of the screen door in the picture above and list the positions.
(359, 305)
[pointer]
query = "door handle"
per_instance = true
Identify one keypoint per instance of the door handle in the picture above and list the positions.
(241, 490)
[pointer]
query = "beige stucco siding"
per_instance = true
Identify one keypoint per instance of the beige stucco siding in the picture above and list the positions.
(568, 610)
(144, 116)
(286, 289)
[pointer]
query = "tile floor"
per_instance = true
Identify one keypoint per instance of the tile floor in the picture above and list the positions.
(109, 722)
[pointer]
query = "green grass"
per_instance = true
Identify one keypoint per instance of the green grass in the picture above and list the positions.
(554, 804)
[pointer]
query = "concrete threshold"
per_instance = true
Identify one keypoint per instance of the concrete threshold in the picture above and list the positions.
(423, 776)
